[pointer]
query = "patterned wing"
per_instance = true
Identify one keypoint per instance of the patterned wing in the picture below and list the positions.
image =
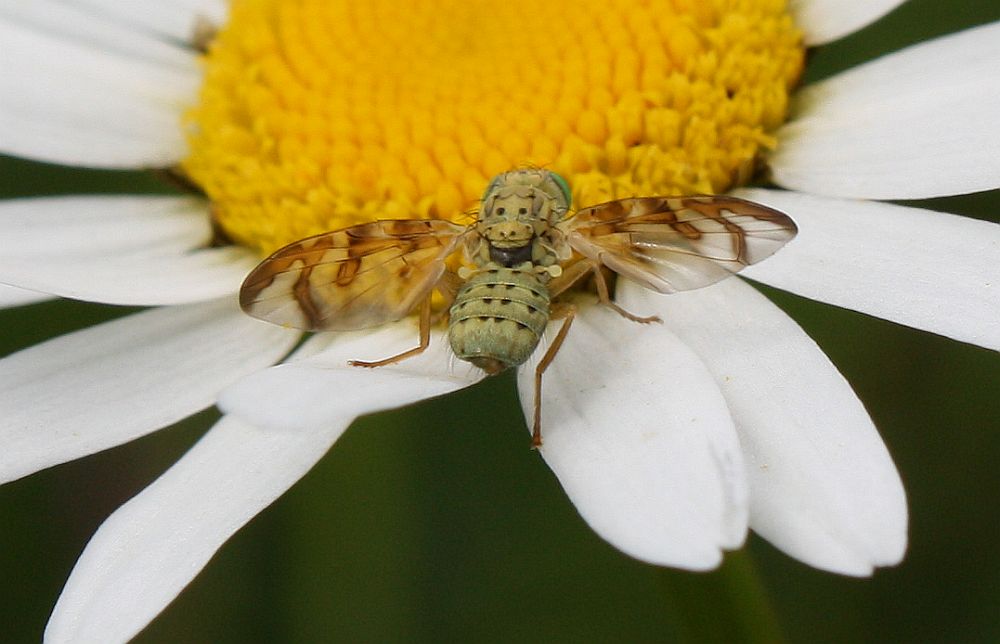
(671, 244)
(353, 278)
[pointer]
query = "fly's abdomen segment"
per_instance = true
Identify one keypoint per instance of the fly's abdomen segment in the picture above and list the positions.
(498, 317)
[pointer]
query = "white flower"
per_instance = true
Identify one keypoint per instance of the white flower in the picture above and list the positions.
(756, 428)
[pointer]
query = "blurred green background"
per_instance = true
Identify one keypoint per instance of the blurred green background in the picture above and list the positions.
(436, 522)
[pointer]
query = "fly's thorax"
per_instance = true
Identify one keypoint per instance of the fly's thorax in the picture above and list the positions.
(519, 220)
(499, 315)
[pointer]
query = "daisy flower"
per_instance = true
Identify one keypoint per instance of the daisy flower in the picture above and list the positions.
(293, 118)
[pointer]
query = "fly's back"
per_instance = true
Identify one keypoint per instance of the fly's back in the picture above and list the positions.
(500, 313)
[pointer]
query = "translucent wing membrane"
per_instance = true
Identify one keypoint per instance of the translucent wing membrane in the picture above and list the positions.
(354, 278)
(671, 244)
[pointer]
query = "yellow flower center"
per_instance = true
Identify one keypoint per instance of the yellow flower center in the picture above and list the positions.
(318, 114)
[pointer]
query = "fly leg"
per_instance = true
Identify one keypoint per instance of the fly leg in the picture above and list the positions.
(568, 312)
(425, 341)
(572, 274)
(605, 298)
(448, 287)
(577, 271)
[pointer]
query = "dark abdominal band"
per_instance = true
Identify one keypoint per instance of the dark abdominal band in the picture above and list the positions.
(511, 256)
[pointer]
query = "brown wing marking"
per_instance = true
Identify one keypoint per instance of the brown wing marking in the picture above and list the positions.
(671, 244)
(353, 278)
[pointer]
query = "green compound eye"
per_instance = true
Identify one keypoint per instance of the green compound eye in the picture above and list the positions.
(564, 187)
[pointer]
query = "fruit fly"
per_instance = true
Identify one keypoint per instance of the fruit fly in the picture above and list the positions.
(525, 249)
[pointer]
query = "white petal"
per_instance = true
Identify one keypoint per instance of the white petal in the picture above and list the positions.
(11, 297)
(154, 545)
(108, 384)
(117, 250)
(636, 431)
(823, 487)
(917, 123)
(823, 21)
(74, 22)
(175, 19)
(142, 281)
(75, 103)
(924, 269)
(105, 224)
(318, 388)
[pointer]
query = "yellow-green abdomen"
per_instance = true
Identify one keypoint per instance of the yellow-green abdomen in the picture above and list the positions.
(498, 317)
